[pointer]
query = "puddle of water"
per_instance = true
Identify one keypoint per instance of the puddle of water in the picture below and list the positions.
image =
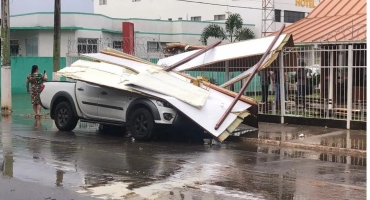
(350, 139)
(191, 175)
(230, 193)
(287, 152)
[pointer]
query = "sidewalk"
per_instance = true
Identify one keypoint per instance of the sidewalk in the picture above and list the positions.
(22, 104)
(351, 142)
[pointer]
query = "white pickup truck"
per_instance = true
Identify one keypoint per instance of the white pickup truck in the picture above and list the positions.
(69, 102)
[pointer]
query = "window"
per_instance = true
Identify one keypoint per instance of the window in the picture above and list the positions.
(180, 18)
(153, 46)
(169, 19)
(117, 45)
(156, 46)
(293, 16)
(219, 17)
(32, 47)
(277, 15)
(136, 0)
(14, 48)
(197, 18)
(102, 2)
(87, 45)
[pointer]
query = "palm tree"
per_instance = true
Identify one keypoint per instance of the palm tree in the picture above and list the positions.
(234, 30)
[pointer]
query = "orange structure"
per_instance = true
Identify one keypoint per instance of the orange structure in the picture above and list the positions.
(331, 21)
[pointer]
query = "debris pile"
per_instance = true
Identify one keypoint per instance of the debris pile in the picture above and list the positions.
(201, 101)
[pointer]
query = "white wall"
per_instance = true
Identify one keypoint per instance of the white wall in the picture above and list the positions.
(46, 42)
(91, 25)
(164, 9)
(21, 36)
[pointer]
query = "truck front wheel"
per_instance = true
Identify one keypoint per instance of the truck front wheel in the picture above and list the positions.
(64, 118)
(141, 124)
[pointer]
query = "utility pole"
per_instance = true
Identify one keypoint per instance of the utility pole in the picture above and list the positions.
(56, 46)
(6, 84)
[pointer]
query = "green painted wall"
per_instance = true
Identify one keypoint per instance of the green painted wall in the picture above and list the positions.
(21, 67)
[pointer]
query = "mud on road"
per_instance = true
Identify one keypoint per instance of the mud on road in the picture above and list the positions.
(88, 165)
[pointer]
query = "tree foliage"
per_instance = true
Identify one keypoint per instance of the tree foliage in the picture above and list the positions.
(234, 30)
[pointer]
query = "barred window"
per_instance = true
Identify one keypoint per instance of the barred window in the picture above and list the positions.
(87, 45)
(219, 17)
(293, 16)
(156, 46)
(14, 47)
(117, 45)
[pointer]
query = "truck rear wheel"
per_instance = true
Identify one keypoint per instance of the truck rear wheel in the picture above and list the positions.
(141, 124)
(64, 118)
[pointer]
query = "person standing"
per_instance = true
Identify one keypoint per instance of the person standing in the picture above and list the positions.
(301, 78)
(36, 80)
(265, 83)
(276, 81)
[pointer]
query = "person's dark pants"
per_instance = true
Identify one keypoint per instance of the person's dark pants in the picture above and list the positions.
(302, 94)
(265, 93)
(277, 94)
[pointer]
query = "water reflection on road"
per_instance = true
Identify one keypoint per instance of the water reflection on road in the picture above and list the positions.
(112, 166)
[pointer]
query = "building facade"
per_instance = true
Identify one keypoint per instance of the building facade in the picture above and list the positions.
(283, 11)
(32, 34)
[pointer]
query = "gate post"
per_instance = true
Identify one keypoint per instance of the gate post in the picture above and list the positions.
(227, 73)
(331, 82)
(349, 85)
(282, 85)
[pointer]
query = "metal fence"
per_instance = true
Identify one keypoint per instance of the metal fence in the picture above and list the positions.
(320, 81)
(326, 81)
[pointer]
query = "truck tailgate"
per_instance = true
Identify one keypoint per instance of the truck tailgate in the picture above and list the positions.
(52, 88)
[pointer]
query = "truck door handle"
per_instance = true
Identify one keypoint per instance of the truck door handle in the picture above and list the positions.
(103, 93)
(80, 89)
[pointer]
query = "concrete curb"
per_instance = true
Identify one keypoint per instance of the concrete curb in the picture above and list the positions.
(352, 152)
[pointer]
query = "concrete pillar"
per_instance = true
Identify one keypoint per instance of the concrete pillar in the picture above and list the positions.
(6, 85)
(6, 140)
(6, 90)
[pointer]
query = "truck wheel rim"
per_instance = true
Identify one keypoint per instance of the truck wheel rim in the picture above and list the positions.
(63, 116)
(141, 125)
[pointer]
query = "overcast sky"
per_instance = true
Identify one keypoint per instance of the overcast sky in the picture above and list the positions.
(29, 6)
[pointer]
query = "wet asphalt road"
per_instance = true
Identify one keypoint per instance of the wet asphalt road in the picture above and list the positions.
(38, 162)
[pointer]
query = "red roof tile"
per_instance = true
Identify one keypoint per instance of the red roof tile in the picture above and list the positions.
(332, 20)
